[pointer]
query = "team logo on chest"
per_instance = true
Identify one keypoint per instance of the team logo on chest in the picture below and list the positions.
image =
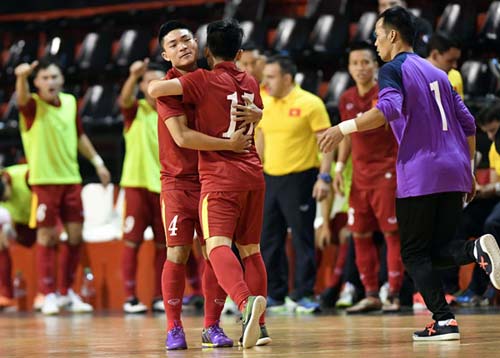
(294, 112)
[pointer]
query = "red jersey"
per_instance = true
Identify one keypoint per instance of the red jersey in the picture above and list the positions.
(212, 93)
(373, 152)
(179, 166)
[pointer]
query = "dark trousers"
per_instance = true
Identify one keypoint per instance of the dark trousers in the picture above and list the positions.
(427, 225)
(289, 204)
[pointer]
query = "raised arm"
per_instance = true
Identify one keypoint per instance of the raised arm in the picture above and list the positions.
(160, 88)
(22, 72)
(127, 94)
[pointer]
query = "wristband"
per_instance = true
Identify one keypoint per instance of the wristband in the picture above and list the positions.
(327, 178)
(97, 161)
(348, 127)
(339, 167)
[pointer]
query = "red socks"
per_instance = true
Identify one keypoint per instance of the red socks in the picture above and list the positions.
(256, 277)
(193, 274)
(215, 296)
(173, 283)
(5, 273)
(229, 274)
(129, 269)
(69, 258)
(395, 268)
(160, 257)
(338, 270)
(368, 264)
(45, 262)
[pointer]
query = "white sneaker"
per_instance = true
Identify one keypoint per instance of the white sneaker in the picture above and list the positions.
(158, 306)
(230, 307)
(76, 304)
(383, 293)
(38, 302)
(346, 298)
(50, 305)
(133, 305)
(290, 304)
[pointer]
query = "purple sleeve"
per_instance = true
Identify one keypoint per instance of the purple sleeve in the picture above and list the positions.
(390, 103)
(464, 116)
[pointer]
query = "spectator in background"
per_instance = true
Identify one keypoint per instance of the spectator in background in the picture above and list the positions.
(423, 29)
(373, 190)
(286, 139)
(444, 53)
(51, 128)
(253, 61)
(141, 182)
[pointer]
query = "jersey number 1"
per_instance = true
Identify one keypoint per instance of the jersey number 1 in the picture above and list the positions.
(437, 96)
(233, 97)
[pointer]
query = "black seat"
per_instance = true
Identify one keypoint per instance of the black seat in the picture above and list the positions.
(366, 25)
(254, 34)
(133, 46)
(309, 80)
(340, 81)
(291, 35)
(458, 22)
(11, 113)
(99, 105)
(62, 49)
(252, 10)
(201, 37)
(478, 79)
(330, 35)
(95, 52)
(19, 52)
(315, 8)
(489, 35)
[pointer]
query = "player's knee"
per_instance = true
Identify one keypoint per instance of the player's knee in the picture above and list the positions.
(248, 250)
(131, 244)
(178, 254)
(46, 236)
(217, 241)
(362, 235)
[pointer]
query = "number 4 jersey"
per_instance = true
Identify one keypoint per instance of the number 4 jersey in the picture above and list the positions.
(213, 93)
(431, 125)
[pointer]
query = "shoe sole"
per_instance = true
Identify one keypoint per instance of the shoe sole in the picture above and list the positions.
(252, 331)
(264, 341)
(439, 337)
(490, 246)
(213, 345)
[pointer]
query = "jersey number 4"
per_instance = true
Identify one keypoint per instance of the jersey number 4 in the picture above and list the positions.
(172, 228)
(437, 96)
(233, 97)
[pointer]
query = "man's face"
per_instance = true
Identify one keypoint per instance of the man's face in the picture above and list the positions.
(252, 63)
(383, 42)
(446, 60)
(274, 80)
(491, 129)
(387, 4)
(149, 76)
(180, 48)
(362, 66)
(49, 82)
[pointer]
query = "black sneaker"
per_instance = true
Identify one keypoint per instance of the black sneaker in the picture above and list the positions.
(435, 332)
(488, 257)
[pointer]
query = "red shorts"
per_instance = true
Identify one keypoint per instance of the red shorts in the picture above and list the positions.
(235, 214)
(371, 210)
(25, 235)
(142, 209)
(180, 216)
(51, 202)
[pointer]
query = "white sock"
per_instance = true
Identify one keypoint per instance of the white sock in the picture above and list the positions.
(445, 322)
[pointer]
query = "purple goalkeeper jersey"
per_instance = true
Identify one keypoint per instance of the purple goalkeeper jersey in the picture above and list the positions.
(431, 124)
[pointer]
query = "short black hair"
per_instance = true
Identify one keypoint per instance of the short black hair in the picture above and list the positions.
(45, 62)
(362, 45)
(489, 114)
(286, 63)
(224, 38)
(401, 20)
(441, 42)
(169, 26)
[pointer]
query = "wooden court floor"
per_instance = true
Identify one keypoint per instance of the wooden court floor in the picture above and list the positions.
(115, 335)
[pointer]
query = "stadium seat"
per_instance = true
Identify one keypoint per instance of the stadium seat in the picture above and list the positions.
(11, 113)
(340, 81)
(478, 79)
(366, 25)
(99, 105)
(62, 49)
(489, 34)
(95, 52)
(315, 8)
(245, 9)
(254, 34)
(309, 80)
(201, 37)
(330, 35)
(19, 52)
(291, 35)
(458, 23)
(133, 46)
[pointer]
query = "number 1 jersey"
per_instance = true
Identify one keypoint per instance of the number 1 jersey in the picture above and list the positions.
(212, 93)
